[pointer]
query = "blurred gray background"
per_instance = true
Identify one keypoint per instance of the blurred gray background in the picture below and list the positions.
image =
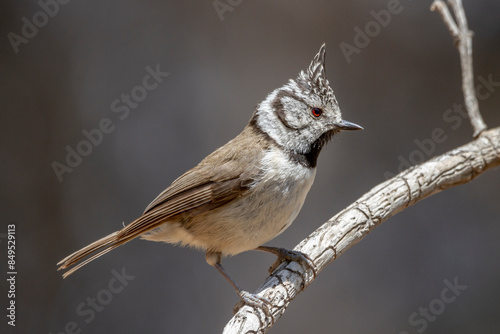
(399, 86)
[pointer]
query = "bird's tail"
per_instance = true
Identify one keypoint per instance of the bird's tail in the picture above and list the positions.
(100, 247)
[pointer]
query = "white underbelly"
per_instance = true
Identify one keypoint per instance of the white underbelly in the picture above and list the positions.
(262, 213)
(265, 215)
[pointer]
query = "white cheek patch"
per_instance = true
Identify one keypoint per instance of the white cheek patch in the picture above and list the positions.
(296, 113)
(294, 128)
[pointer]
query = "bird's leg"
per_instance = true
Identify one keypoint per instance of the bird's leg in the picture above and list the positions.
(288, 255)
(214, 259)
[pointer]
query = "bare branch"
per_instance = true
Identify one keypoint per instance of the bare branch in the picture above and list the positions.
(448, 20)
(463, 40)
(348, 227)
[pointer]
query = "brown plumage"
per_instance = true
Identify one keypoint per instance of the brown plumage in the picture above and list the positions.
(216, 180)
(248, 191)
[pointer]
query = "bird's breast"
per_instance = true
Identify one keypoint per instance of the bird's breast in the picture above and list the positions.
(261, 213)
(271, 204)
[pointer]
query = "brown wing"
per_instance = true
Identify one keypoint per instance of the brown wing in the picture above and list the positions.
(203, 187)
(196, 180)
(218, 179)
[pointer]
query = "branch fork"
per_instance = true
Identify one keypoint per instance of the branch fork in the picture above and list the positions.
(462, 36)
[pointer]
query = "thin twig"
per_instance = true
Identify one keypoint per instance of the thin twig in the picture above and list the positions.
(462, 36)
(448, 20)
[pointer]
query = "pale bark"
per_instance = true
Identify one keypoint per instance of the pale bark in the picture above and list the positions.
(462, 36)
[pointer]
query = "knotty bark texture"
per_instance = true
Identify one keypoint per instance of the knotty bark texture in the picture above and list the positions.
(348, 227)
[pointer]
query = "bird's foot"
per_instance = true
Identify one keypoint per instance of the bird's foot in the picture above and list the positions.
(290, 255)
(255, 301)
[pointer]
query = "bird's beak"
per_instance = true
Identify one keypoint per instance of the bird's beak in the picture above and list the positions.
(345, 125)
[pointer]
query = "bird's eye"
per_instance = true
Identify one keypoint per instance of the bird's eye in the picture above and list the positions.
(316, 112)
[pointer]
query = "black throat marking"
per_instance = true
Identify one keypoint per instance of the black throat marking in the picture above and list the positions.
(308, 159)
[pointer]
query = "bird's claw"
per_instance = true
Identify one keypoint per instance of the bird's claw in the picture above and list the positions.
(289, 255)
(255, 301)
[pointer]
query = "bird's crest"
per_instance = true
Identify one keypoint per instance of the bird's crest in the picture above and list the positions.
(314, 80)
